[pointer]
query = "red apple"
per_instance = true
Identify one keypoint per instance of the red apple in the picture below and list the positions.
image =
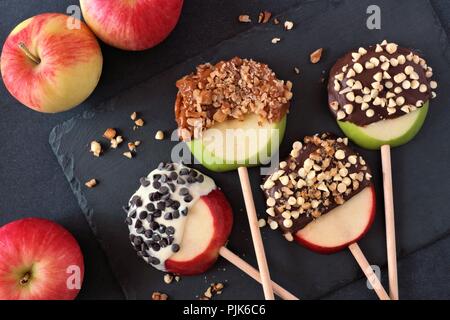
(51, 64)
(39, 260)
(132, 24)
(207, 229)
(341, 226)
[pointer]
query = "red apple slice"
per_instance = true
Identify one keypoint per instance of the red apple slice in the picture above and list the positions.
(39, 260)
(341, 226)
(207, 229)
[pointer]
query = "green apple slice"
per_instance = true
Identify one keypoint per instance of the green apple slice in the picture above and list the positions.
(394, 132)
(233, 143)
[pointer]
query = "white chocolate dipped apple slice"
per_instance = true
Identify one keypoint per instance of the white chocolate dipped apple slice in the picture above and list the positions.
(322, 196)
(179, 222)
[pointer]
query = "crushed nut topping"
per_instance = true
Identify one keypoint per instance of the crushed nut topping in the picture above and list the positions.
(159, 296)
(213, 289)
(91, 183)
(320, 174)
(244, 18)
(264, 17)
(316, 56)
(110, 133)
(96, 148)
(229, 90)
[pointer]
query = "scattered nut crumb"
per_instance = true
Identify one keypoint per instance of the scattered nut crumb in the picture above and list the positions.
(159, 296)
(159, 135)
(139, 122)
(296, 70)
(288, 25)
(261, 223)
(133, 116)
(316, 55)
(177, 278)
(137, 143)
(264, 17)
(96, 148)
(116, 141)
(168, 278)
(276, 21)
(129, 155)
(91, 183)
(276, 40)
(244, 18)
(213, 289)
(131, 146)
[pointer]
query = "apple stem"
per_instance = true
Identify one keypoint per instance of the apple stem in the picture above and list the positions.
(27, 52)
(25, 279)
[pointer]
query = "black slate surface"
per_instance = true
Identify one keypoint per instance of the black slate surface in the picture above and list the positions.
(294, 267)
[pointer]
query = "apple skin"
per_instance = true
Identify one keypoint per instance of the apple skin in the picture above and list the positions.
(221, 211)
(210, 162)
(43, 248)
(70, 67)
(354, 133)
(132, 24)
(329, 250)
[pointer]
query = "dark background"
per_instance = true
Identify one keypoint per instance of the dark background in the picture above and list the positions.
(32, 183)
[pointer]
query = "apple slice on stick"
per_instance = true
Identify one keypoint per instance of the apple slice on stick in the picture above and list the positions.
(232, 116)
(380, 97)
(179, 222)
(322, 196)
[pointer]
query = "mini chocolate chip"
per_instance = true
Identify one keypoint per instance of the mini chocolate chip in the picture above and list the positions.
(156, 176)
(144, 182)
(148, 242)
(184, 212)
(184, 172)
(165, 196)
(200, 178)
(190, 179)
(161, 165)
(154, 260)
(175, 214)
(137, 241)
(161, 205)
(168, 216)
(138, 202)
(156, 184)
(193, 173)
(188, 198)
(151, 207)
(132, 236)
(143, 215)
(133, 214)
(162, 228)
(170, 239)
(154, 225)
(150, 218)
(156, 237)
(175, 205)
(145, 254)
(156, 247)
(175, 247)
(163, 243)
(157, 213)
(163, 178)
(155, 196)
(128, 221)
(184, 191)
(180, 181)
(171, 187)
(144, 247)
(173, 176)
(170, 230)
(148, 233)
(168, 202)
(163, 190)
(169, 166)
(138, 224)
(140, 230)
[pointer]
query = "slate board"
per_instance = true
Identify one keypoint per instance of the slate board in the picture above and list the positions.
(421, 175)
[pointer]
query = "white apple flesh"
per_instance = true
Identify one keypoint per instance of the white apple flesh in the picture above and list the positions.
(206, 230)
(51, 62)
(132, 24)
(234, 143)
(342, 226)
(39, 260)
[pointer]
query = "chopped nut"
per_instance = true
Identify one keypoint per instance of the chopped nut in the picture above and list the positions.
(110, 133)
(316, 56)
(273, 224)
(433, 84)
(288, 25)
(270, 202)
(91, 183)
(358, 67)
(133, 116)
(296, 70)
(159, 296)
(139, 122)
(276, 40)
(261, 223)
(168, 278)
(244, 18)
(96, 148)
(276, 21)
(268, 184)
(129, 155)
(137, 143)
(339, 154)
(288, 236)
(131, 146)
(264, 17)
(159, 135)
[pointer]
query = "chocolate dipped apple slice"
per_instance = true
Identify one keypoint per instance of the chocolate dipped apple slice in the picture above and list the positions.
(179, 222)
(232, 115)
(322, 196)
(380, 97)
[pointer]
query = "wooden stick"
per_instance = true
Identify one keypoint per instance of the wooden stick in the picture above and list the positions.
(368, 271)
(390, 221)
(256, 234)
(252, 272)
